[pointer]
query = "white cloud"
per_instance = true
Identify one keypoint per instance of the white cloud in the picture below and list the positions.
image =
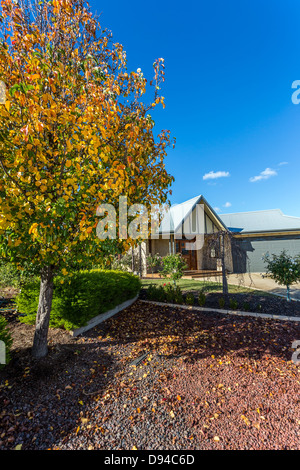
(264, 175)
(227, 204)
(215, 174)
(217, 209)
(283, 163)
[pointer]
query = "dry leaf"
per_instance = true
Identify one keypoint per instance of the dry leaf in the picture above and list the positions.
(246, 420)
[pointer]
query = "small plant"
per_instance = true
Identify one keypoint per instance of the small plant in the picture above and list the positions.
(221, 302)
(173, 266)
(201, 298)
(169, 293)
(156, 293)
(246, 306)
(153, 262)
(284, 269)
(189, 298)
(178, 295)
(233, 304)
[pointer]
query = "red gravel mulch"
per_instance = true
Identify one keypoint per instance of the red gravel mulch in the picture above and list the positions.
(208, 381)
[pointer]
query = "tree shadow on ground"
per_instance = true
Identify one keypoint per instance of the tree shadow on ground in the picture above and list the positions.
(196, 335)
(44, 400)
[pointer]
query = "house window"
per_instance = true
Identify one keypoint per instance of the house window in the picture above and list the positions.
(212, 253)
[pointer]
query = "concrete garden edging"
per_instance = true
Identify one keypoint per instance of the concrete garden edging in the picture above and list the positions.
(103, 316)
(229, 312)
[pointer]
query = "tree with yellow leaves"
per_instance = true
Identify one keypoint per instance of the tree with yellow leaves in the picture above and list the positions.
(74, 134)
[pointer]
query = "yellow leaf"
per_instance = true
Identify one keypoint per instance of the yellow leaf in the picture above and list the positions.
(246, 420)
(68, 163)
(216, 438)
(134, 448)
(33, 228)
(18, 447)
(172, 414)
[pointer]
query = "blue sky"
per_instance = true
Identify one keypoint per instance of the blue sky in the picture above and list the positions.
(229, 73)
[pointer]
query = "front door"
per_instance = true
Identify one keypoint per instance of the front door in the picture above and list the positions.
(189, 256)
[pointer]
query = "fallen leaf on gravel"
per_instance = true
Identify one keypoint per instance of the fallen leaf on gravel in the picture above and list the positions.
(172, 414)
(216, 438)
(246, 420)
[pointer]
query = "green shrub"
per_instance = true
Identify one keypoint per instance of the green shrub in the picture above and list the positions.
(166, 293)
(156, 293)
(5, 336)
(221, 302)
(189, 299)
(233, 304)
(178, 295)
(169, 293)
(10, 276)
(246, 306)
(201, 298)
(80, 297)
(173, 266)
(284, 269)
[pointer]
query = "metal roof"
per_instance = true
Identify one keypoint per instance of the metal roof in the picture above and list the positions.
(176, 214)
(260, 221)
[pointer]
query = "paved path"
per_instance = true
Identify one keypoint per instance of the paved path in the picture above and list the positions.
(257, 281)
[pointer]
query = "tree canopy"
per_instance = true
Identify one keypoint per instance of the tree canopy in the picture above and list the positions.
(74, 133)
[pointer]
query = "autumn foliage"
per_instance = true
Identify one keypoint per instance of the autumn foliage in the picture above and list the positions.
(74, 133)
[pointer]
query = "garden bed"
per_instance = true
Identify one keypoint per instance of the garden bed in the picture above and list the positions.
(208, 382)
(247, 302)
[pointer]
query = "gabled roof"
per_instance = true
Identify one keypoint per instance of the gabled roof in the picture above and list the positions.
(260, 221)
(178, 213)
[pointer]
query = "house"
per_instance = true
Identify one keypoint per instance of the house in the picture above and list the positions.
(190, 227)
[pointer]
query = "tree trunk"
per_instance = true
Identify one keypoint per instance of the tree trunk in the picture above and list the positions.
(40, 343)
(140, 260)
(132, 260)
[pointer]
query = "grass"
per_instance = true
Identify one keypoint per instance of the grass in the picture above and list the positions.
(195, 284)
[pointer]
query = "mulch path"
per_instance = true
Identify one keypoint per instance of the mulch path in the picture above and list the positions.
(209, 381)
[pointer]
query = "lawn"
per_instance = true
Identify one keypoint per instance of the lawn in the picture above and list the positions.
(196, 285)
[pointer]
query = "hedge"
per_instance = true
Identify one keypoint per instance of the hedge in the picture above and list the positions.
(80, 297)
